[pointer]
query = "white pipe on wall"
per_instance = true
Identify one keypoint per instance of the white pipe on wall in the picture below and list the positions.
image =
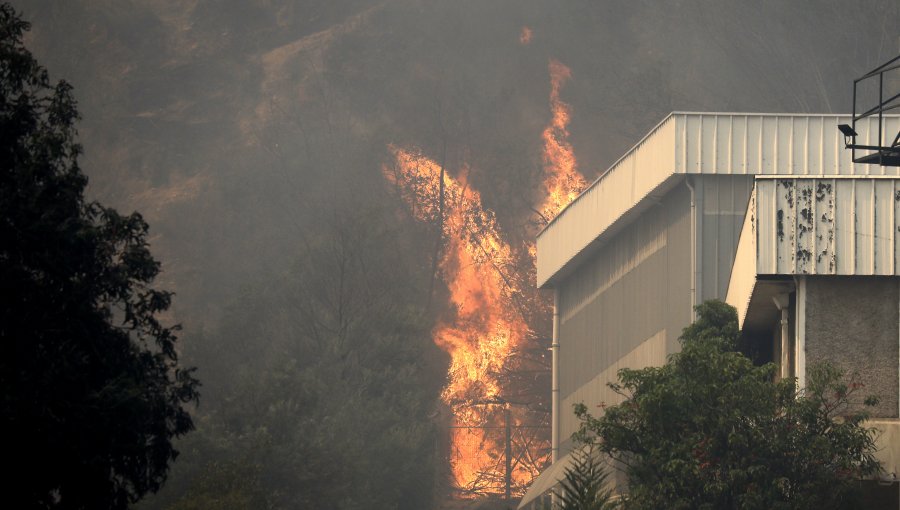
(687, 182)
(800, 342)
(782, 302)
(785, 345)
(554, 384)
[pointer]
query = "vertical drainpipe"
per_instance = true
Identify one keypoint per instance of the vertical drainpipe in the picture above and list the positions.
(782, 302)
(554, 384)
(800, 332)
(785, 344)
(687, 181)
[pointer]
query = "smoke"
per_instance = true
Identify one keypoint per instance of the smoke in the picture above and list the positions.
(245, 130)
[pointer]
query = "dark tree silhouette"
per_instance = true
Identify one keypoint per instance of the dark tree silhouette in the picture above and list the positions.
(91, 394)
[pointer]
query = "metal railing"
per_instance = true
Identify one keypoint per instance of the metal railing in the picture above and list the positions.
(884, 155)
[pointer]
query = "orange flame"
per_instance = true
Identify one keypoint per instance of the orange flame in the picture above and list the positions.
(562, 182)
(485, 328)
(525, 36)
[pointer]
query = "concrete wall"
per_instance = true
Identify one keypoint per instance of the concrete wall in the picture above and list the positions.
(853, 321)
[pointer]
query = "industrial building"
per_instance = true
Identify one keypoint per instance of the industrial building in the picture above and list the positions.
(767, 211)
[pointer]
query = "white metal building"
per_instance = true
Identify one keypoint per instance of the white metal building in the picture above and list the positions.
(713, 205)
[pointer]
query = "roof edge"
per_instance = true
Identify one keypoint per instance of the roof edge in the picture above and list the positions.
(656, 127)
(609, 169)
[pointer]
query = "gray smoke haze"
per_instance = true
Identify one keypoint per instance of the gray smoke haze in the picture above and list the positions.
(229, 123)
(249, 133)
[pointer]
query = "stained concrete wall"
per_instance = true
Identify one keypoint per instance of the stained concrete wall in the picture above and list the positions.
(853, 321)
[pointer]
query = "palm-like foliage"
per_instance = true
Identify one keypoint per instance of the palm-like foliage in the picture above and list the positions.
(584, 486)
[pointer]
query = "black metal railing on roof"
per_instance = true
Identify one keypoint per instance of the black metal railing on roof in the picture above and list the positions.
(879, 154)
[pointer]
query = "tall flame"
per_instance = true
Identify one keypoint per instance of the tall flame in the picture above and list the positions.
(525, 36)
(562, 181)
(485, 328)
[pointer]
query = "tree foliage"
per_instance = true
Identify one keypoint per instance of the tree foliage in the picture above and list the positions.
(711, 430)
(231, 484)
(585, 484)
(91, 387)
(320, 387)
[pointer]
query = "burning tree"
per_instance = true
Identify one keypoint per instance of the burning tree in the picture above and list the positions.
(484, 327)
(562, 181)
(499, 430)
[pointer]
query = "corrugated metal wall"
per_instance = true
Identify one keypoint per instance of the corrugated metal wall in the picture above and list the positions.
(827, 226)
(724, 203)
(650, 352)
(743, 271)
(637, 286)
(770, 144)
(628, 181)
(698, 143)
(636, 290)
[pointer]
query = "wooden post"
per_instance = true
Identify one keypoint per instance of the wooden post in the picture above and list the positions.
(508, 454)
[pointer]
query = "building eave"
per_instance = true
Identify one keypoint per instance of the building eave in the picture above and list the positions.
(687, 143)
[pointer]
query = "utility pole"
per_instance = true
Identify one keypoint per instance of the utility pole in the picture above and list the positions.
(508, 454)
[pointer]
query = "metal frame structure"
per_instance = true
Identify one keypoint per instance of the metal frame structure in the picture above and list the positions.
(523, 444)
(884, 155)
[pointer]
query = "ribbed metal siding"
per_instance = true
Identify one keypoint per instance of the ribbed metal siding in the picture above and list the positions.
(827, 226)
(613, 303)
(743, 273)
(697, 143)
(635, 287)
(724, 203)
(650, 352)
(773, 144)
(630, 180)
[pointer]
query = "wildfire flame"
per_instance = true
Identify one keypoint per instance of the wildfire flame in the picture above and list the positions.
(525, 36)
(485, 328)
(562, 181)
